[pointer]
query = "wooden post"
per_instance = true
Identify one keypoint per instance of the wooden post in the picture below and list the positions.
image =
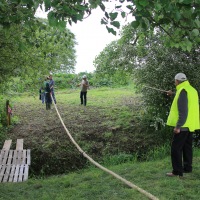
(8, 112)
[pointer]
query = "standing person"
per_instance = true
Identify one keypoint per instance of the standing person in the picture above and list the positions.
(42, 89)
(51, 85)
(84, 86)
(48, 100)
(184, 117)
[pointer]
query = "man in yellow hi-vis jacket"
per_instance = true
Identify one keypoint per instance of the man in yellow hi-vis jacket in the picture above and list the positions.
(184, 117)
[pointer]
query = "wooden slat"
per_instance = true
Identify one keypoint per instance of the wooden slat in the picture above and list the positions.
(2, 172)
(5, 157)
(28, 156)
(7, 145)
(21, 173)
(2, 156)
(7, 173)
(12, 173)
(19, 145)
(19, 157)
(10, 157)
(16, 174)
(26, 173)
(23, 162)
(14, 161)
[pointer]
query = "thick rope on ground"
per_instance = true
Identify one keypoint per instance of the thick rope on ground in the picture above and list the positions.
(150, 196)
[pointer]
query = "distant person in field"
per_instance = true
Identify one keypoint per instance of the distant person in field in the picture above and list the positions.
(84, 87)
(42, 89)
(51, 85)
(47, 89)
(184, 118)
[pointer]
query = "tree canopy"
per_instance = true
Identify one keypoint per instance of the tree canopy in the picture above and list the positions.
(177, 19)
(31, 55)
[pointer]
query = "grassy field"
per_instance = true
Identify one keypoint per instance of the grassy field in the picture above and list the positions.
(107, 129)
(92, 183)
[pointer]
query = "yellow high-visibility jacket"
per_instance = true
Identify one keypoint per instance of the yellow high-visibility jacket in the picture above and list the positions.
(192, 121)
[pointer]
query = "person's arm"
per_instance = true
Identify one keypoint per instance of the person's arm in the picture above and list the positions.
(51, 84)
(170, 93)
(182, 110)
(86, 84)
(78, 85)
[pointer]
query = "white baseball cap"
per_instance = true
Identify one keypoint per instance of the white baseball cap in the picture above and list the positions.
(84, 76)
(180, 77)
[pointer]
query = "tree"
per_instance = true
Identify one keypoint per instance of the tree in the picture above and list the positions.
(157, 68)
(151, 64)
(30, 56)
(113, 65)
(178, 19)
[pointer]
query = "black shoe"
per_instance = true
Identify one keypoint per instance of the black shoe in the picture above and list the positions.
(187, 171)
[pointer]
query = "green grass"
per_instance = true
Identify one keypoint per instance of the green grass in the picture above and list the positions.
(100, 97)
(93, 183)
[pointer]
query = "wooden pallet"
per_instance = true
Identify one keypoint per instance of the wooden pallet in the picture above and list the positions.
(14, 164)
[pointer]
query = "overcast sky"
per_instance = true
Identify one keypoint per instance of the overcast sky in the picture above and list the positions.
(91, 36)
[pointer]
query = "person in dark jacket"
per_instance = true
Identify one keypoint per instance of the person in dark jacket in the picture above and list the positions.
(184, 117)
(48, 100)
(51, 85)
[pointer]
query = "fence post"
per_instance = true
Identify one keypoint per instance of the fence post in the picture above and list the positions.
(8, 112)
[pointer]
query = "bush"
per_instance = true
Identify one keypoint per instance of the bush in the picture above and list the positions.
(157, 68)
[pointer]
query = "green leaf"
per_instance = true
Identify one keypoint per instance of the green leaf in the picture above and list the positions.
(144, 3)
(177, 16)
(188, 45)
(195, 32)
(111, 30)
(145, 13)
(123, 14)
(103, 21)
(187, 1)
(115, 24)
(62, 25)
(22, 47)
(197, 23)
(47, 4)
(177, 45)
(135, 24)
(158, 6)
(52, 19)
(144, 25)
(116, 7)
(113, 16)
(130, 7)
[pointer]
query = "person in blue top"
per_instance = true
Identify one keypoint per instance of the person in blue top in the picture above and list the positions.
(51, 85)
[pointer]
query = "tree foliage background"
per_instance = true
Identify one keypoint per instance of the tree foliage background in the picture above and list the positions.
(151, 65)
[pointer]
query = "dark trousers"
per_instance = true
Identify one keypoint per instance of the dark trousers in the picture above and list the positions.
(83, 96)
(48, 100)
(181, 152)
(53, 95)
